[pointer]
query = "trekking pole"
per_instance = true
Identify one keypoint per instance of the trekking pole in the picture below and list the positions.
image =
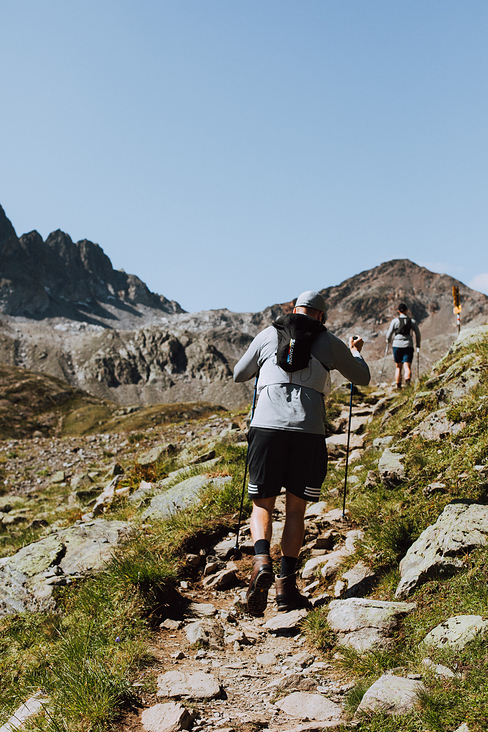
(418, 363)
(384, 360)
(236, 548)
(347, 454)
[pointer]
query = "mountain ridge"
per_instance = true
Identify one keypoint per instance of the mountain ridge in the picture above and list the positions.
(61, 278)
(66, 312)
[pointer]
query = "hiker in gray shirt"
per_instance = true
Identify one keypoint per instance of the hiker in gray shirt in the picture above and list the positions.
(287, 441)
(400, 331)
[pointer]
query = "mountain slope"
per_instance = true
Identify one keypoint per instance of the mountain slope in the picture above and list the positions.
(68, 313)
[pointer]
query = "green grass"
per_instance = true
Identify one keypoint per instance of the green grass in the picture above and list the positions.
(86, 655)
(392, 520)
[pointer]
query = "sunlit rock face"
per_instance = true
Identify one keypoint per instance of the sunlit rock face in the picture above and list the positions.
(66, 312)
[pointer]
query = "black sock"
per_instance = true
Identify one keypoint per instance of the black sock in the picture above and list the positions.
(288, 566)
(261, 546)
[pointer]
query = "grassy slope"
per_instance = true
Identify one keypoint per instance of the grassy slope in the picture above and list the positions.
(392, 520)
(87, 656)
(106, 620)
(32, 402)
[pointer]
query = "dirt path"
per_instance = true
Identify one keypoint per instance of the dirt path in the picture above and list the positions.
(254, 664)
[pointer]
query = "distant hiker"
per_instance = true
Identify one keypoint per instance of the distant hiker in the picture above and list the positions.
(287, 434)
(401, 331)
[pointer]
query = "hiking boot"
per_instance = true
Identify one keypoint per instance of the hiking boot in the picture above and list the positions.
(288, 596)
(407, 382)
(261, 580)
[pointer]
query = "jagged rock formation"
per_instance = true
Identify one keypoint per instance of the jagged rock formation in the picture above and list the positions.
(61, 278)
(68, 313)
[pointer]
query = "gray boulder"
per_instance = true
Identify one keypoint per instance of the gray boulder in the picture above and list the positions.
(29, 709)
(202, 609)
(437, 669)
(225, 548)
(379, 443)
(437, 425)
(432, 488)
(27, 577)
(356, 582)
(391, 695)
(141, 494)
(284, 622)
(180, 496)
(222, 580)
(463, 375)
(391, 468)
(169, 717)
(329, 564)
(152, 456)
(206, 633)
(37, 557)
(198, 685)
(364, 624)
(439, 549)
(306, 706)
(355, 441)
(58, 477)
(81, 480)
(146, 490)
(456, 632)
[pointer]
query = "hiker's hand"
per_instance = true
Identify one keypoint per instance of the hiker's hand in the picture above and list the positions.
(356, 342)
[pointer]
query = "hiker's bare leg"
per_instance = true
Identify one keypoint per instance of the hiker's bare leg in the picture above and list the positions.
(261, 518)
(292, 538)
(408, 372)
(398, 374)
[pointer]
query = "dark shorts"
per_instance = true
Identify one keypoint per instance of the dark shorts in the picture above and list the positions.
(296, 461)
(403, 355)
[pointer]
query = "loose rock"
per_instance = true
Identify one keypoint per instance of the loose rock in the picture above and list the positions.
(310, 706)
(364, 624)
(456, 632)
(169, 717)
(439, 549)
(391, 695)
(391, 468)
(198, 685)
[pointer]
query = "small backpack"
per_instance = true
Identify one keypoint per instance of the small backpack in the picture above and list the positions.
(405, 329)
(296, 334)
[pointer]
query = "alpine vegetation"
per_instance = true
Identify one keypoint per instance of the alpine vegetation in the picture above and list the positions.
(123, 600)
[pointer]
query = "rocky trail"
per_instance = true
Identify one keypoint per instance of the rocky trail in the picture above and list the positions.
(218, 668)
(227, 670)
(215, 667)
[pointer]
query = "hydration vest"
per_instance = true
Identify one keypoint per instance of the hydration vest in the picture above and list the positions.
(296, 334)
(293, 362)
(405, 327)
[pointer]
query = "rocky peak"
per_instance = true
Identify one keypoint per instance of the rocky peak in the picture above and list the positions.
(62, 278)
(118, 340)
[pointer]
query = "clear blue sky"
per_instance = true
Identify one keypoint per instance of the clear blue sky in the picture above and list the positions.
(233, 153)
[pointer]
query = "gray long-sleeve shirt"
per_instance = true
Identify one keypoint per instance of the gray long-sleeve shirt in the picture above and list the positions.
(292, 406)
(399, 340)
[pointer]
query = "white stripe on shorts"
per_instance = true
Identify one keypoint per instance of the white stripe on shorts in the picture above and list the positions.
(251, 488)
(310, 492)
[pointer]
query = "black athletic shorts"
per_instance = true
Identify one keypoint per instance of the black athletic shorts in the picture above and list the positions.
(403, 355)
(296, 461)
